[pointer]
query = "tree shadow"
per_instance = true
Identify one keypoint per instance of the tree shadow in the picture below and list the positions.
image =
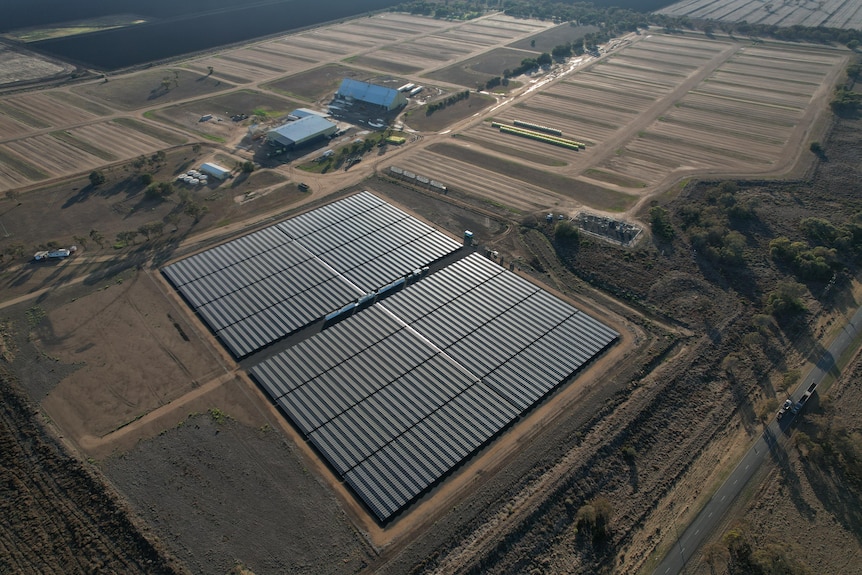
(82, 196)
(839, 498)
(790, 478)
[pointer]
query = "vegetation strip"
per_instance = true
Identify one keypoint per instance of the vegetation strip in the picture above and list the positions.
(159, 134)
(27, 170)
(22, 117)
(68, 138)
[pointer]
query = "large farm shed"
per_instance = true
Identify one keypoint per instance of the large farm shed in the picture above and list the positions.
(302, 131)
(356, 91)
(260, 288)
(417, 375)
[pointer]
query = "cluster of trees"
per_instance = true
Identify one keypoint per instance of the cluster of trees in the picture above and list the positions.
(711, 229)
(660, 223)
(740, 556)
(465, 10)
(567, 50)
(820, 255)
(594, 519)
(440, 104)
(528, 64)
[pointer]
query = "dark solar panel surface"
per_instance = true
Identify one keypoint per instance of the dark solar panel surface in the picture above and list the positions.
(398, 394)
(259, 288)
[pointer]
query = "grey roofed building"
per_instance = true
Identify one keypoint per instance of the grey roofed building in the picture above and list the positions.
(388, 98)
(301, 131)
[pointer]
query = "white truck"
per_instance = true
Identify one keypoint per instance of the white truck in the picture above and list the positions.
(57, 254)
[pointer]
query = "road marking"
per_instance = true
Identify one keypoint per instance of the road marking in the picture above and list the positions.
(747, 466)
(722, 497)
(667, 570)
(735, 481)
(696, 532)
(710, 515)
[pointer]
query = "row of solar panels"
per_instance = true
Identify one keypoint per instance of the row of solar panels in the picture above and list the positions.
(260, 288)
(362, 387)
(392, 477)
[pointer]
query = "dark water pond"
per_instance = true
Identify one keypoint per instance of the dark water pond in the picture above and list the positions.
(180, 27)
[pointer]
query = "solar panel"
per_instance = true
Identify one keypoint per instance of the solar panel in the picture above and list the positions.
(262, 287)
(397, 395)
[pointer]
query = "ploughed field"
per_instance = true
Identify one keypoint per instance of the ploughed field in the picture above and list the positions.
(649, 112)
(827, 13)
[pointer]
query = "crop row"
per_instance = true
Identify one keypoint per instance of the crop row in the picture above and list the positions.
(539, 137)
(538, 128)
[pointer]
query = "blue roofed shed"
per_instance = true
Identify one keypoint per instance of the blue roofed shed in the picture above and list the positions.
(388, 98)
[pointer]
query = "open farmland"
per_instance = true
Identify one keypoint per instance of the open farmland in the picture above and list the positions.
(72, 151)
(152, 87)
(459, 42)
(222, 107)
(47, 110)
(479, 69)
(316, 84)
(827, 13)
(660, 107)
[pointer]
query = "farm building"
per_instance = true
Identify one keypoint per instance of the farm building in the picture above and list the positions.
(215, 171)
(356, 91)
(301, 131)
(300, 113)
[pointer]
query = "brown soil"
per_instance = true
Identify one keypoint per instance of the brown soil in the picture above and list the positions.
(419, 120)
(58, 514)
(145, 89)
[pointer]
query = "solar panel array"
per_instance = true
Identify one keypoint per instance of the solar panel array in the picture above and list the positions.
(397, 395)
(259, 288)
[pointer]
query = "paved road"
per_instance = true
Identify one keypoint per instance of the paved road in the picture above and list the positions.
(768, 445)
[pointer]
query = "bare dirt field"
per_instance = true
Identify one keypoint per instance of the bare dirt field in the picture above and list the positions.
(315, 84)
(23, 66)
(547, 40)
(418, 119)
(659, 108)
(479, 69)
(220, 127)
(146, 89)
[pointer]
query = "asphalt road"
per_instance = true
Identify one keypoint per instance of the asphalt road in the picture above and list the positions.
(770, 445)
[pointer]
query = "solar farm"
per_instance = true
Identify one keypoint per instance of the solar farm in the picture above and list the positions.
(408, 378)
(262, 287)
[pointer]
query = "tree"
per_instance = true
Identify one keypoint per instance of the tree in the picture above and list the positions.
(209, 70)
(146, 179)
(97, 178)
(816, 149)
(660, 223)
(166, 83)
(126, 238)
(151, 229)
(80, 241)
(97, 237)
(195, 210)
(785, 299)
(247, 167)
